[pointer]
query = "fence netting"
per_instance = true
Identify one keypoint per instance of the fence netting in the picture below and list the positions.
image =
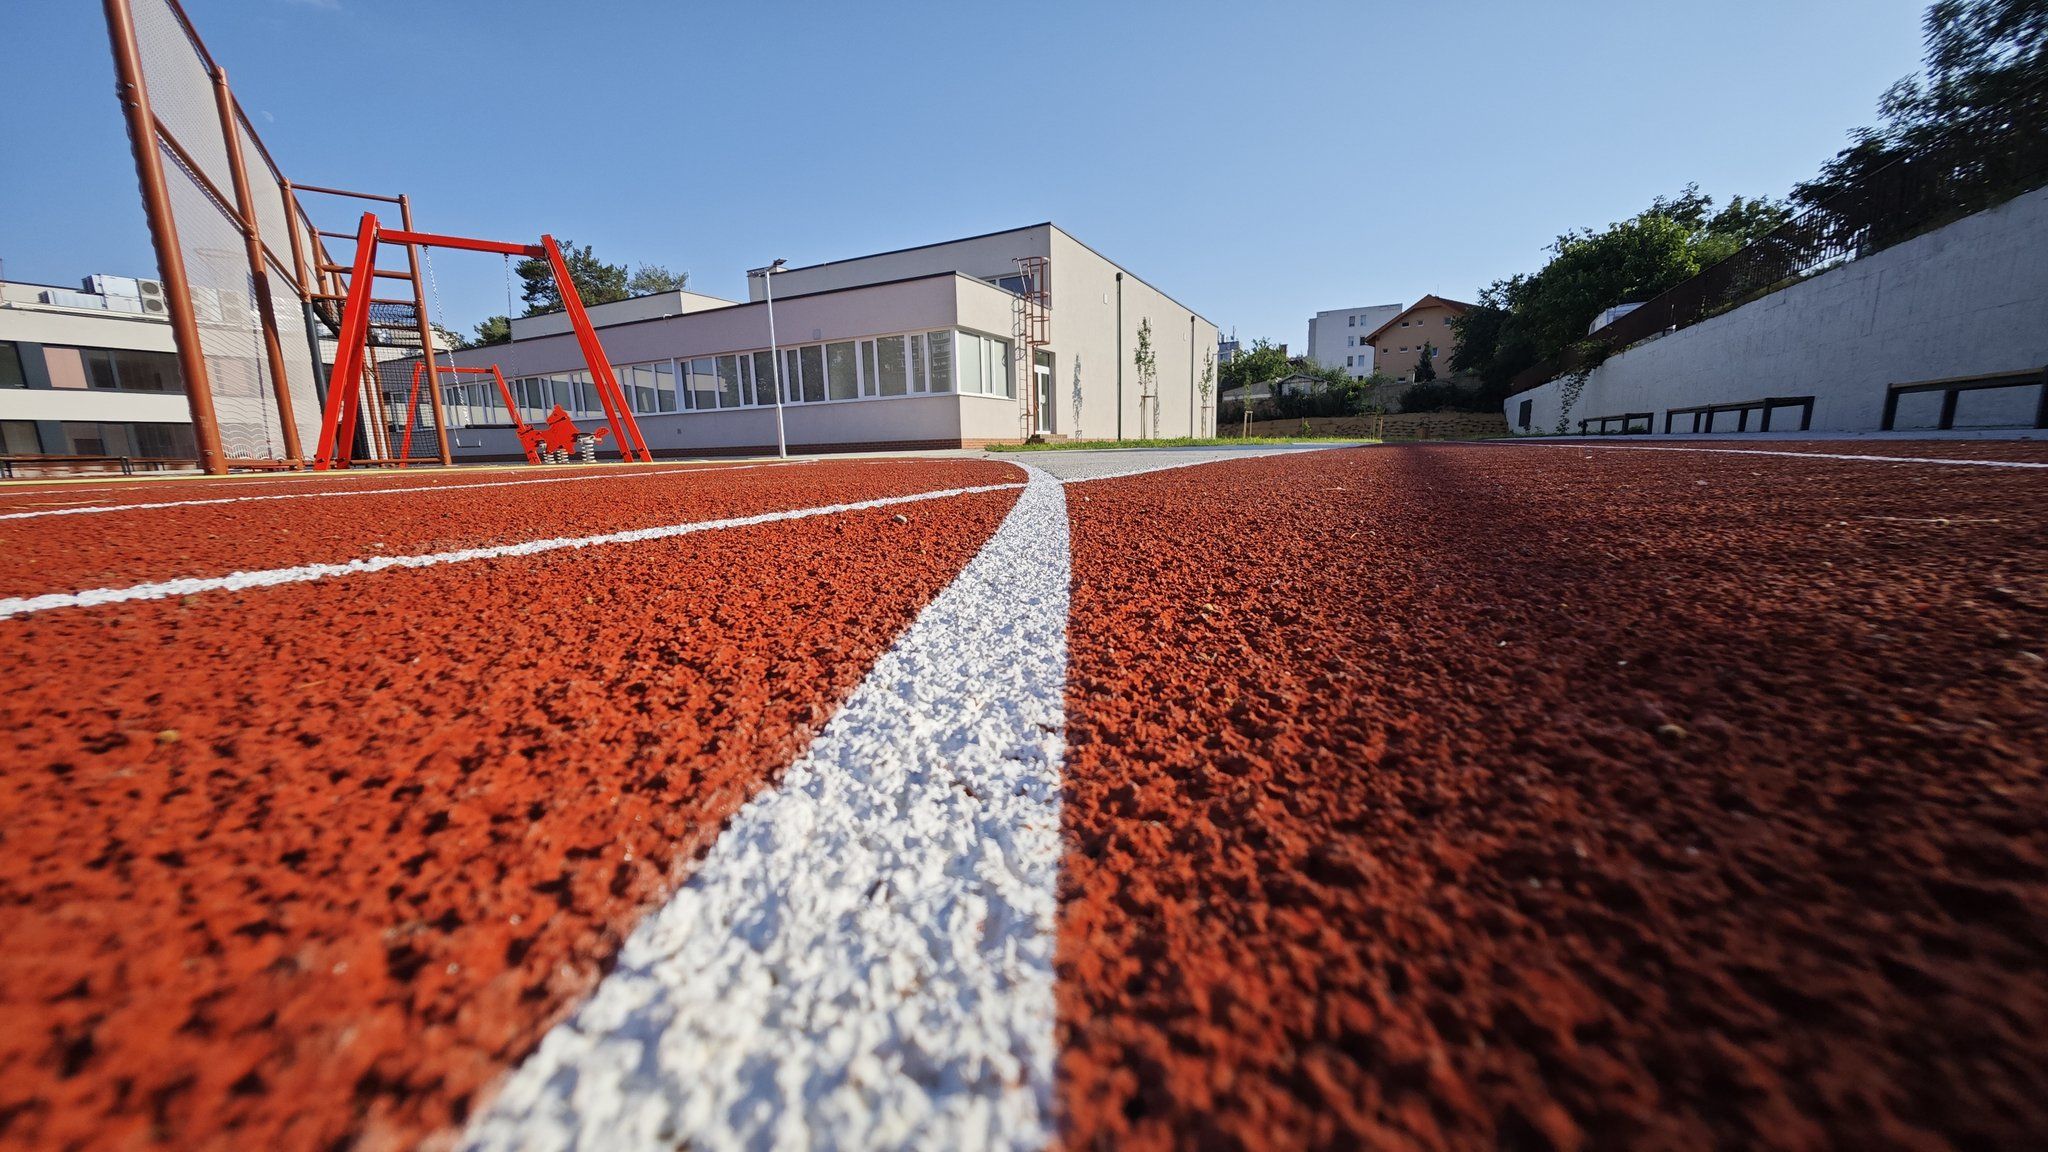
(211, 237)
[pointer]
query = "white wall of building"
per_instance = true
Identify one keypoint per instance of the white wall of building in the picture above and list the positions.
(1338, 336)
(650, 307)
(1089, 352)
(1970, 299)
(982, 257)
(939, 286)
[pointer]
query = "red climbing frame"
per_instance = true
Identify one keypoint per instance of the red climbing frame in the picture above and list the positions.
(344, 388)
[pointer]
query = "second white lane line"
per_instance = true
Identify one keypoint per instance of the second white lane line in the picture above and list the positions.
(865, 957)
(303, 573)
(413, 490)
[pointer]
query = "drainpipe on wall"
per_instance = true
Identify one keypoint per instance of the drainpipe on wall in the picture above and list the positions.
(1119, 356)
(1191, 375)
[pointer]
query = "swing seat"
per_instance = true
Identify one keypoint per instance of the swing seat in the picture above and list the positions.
(559, 435)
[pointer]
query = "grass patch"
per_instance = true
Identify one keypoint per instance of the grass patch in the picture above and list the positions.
(1180, 442)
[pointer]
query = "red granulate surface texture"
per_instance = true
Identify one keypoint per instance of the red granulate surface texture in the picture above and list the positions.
(1518, 797)
(116, 549)
(309, 867)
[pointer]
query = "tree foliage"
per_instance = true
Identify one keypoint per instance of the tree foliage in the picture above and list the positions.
(1971, 133)
(494, 330)
(1261, 362)
(596, 281)
(651, 278)
(1425, 364)
(1526, 319)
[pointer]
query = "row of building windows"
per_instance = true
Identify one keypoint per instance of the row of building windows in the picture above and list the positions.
(89, 438)
(915, 363)
(101, 369)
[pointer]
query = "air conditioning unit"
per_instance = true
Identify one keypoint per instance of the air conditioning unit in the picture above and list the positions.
(152, 292)
(104, 285)
(66, 298)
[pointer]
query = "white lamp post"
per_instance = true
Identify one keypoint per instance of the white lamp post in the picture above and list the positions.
(767, 276)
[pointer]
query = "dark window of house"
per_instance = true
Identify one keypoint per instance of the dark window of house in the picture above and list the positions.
(145, 371)
(85, 439)
(18, 438)
(165, 441)
(10, 368)
(1523, 417)
(99, 368)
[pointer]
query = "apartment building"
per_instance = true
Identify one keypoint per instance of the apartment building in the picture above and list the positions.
(90, 371)
(1337, 338)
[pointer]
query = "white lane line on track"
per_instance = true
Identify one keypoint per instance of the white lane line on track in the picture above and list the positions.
(1801, 455)
(87, 510)
(865, 957)
(1236, 455)
(23, 489)
(273, 577)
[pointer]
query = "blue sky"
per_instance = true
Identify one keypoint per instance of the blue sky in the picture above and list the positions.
(1257, 161)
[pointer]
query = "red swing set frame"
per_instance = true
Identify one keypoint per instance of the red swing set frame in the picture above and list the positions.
(340, 416)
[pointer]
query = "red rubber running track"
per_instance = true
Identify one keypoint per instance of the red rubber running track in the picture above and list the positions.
(315, 863)
(1440, 797)
(1522, 797)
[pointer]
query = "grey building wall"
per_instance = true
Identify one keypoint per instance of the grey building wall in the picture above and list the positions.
(933, 302)
(1969, 299)
(982, 257)
(1089, 352)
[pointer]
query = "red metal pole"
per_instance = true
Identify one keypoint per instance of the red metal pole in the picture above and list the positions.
(436, 240)
(163, 234)
(338, 421)
(518, 421)
(259, 270)
(616, 409)
(426, 326)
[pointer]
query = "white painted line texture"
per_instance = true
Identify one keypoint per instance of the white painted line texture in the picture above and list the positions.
(303, 573)
(413, 490)
(1086, 470)
(864, 959)
(1802, 455)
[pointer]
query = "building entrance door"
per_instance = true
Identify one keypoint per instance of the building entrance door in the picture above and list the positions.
(1042, 380)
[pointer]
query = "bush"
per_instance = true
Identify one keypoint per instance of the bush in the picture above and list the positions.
(1446, 396)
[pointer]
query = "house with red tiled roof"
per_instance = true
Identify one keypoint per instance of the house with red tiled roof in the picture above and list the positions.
(1397, 345)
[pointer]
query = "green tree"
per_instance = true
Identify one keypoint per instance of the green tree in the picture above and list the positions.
(448, 341)
(1526, 319)
(494, 330)
(1257, 364)
(1425, 364)
(651, 278)
(1146, 360)
(596, 281)
(1970, 134)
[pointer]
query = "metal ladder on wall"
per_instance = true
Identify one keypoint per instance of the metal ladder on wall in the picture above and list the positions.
(1031, 323)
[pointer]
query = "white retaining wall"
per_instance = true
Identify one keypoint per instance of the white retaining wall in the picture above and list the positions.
(1970, 299)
